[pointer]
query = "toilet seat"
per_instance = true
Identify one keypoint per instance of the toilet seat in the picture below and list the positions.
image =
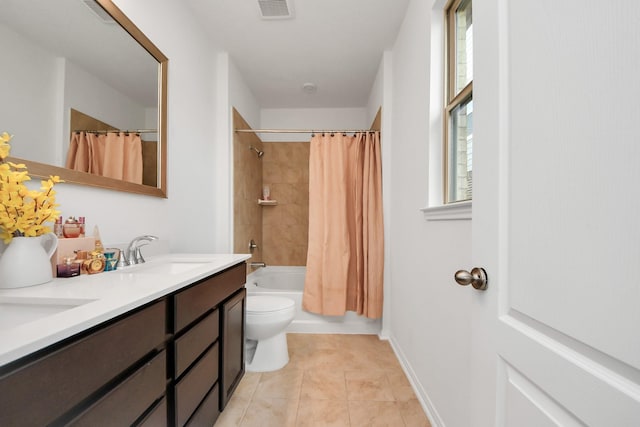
(265, 304)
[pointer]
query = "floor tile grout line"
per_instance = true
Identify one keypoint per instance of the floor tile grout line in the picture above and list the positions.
(346, 394)
(299, 398)
(253, 393)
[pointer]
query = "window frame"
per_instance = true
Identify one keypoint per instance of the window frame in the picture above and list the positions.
(452, 99)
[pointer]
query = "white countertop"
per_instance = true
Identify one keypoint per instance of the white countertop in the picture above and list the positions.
(101, 297)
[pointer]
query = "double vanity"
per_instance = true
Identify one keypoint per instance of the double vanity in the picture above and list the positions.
(155, 344)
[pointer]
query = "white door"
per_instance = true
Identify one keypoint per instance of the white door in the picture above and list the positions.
(556, 213)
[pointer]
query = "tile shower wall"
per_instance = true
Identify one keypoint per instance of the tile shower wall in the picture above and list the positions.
(285, 169)
(247, 185)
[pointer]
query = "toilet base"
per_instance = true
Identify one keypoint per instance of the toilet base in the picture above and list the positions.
(270, 354)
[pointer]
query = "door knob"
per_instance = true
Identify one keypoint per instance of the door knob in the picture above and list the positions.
(477, 278)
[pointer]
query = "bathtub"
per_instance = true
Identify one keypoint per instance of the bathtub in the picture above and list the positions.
(289, 282)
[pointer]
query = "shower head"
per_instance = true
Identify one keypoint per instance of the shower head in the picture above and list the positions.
(260, 153)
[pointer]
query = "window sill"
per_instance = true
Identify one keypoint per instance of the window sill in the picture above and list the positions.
(460, 211)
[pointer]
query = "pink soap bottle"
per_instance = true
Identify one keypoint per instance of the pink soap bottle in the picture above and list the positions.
(57, 227)
(82, 225)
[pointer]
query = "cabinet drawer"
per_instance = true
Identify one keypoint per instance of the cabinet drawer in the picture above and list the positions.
(130, 399)
(197, 300)
(191, 389)
(196, 340)
(157, 417)
(45, 389)
(207, 413)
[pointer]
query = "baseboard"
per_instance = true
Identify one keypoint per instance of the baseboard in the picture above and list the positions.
(421, 394)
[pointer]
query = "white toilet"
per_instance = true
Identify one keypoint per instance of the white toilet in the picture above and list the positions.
(266, 342)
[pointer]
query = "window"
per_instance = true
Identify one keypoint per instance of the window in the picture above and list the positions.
(458, 135)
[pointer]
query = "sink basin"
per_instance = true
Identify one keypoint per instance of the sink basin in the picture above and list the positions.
(15, 311)
(171, 264)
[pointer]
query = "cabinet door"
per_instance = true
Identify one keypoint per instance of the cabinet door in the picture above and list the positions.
(43, 390)
(232, 340)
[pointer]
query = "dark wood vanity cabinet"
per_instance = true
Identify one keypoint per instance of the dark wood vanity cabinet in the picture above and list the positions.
(175, 361)
(81, 380)
(232, 338)
(209, 342)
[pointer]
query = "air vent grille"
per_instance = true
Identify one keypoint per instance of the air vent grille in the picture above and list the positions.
(275, 9)
(99, 11)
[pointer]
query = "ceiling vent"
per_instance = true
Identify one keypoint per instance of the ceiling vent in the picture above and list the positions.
(99, 12)
(275, 9)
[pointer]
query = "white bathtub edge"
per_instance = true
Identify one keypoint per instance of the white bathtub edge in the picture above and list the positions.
(306, 322)
(315, 327)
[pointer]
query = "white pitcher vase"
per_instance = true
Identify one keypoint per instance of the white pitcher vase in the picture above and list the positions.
(26, 261)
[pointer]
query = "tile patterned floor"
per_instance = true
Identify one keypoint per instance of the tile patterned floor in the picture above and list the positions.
(331, 380)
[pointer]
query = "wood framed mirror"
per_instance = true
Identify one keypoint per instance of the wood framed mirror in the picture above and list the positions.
(67, 44)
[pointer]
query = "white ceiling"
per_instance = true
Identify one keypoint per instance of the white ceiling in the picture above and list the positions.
(335, 44)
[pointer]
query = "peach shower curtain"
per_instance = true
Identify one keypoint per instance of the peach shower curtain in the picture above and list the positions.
(114, 154)
(345, 255)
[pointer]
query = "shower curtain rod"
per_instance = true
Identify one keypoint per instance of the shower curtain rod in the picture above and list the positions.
(304, 130)
(120, 130)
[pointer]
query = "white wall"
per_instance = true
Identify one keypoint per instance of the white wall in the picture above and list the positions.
(90, 95)
(23, 102)
(186, 218)
(310, 118)
(429, 313)
(241, 98)
(376, 95)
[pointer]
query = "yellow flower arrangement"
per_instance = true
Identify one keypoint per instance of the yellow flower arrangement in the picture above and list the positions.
(23, 212)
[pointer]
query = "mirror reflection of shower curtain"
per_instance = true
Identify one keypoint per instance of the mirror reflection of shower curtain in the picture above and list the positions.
(346, 249)
(114, 155)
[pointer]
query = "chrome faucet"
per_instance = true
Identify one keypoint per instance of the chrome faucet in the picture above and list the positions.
(133, 255)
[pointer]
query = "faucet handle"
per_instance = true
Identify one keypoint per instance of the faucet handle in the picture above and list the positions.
(122, 259)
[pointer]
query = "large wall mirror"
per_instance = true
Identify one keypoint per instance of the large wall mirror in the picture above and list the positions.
(68, 57)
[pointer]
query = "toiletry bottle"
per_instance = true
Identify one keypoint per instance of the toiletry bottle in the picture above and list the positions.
(110, 260)
(82, 225)
(71, 228)
(95, 264)
(68, 269)
(96, 234)
(57, 227)
(81, 257)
